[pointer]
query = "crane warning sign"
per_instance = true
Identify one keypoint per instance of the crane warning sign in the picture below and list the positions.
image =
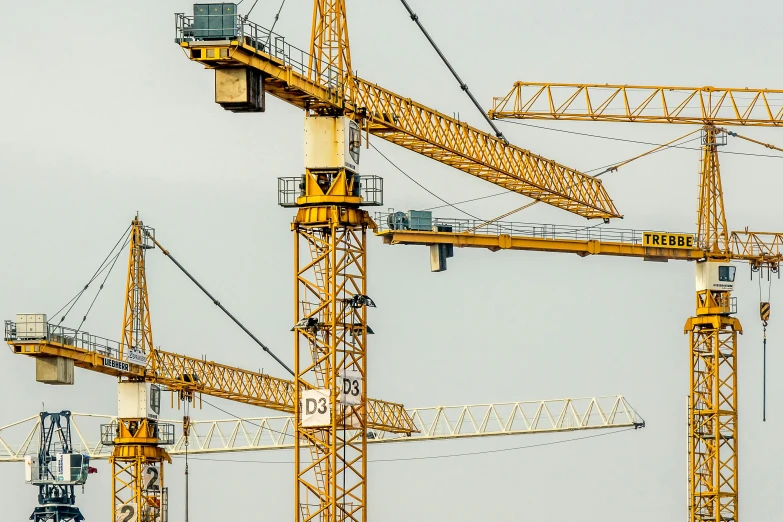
(664, 239)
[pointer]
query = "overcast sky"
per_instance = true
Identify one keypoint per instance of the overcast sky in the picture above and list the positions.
(102, 116)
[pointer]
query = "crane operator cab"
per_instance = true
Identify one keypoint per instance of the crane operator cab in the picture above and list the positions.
(715, 276)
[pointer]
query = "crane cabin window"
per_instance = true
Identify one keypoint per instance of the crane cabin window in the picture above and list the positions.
(155, 399)
(727, 273)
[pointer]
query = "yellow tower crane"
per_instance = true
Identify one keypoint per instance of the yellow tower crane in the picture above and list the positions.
(137, 437)
(712, 432)
(330, 227)
(141, 442)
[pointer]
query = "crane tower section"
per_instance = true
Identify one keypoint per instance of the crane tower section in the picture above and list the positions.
(137, 456)
(56, 470)
(330, 344)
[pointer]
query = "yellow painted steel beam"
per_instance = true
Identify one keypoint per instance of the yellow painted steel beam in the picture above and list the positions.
(214, 379)
(757, 248)
(331, 51)
(415, 127)
(508, 242)
(330, 345)
(641, 103)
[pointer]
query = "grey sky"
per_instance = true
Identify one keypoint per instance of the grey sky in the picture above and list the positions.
(102, 115)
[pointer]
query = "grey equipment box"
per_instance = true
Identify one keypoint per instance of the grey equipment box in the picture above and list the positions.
(215, 21)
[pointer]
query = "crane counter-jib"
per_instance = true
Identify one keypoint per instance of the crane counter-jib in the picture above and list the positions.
(252, 56)
(508, 242)
(419, 228)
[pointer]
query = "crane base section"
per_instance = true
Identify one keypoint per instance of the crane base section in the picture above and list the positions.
(57, 513)
(54, 370)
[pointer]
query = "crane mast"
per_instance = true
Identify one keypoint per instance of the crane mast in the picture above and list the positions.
(331, 51)
(712, 423)
(56, 470)
(137, 436)
(712, 404)
(136, 325)
(330, 340)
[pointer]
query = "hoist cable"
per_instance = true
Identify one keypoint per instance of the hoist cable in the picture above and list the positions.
(462, 84)
(187, 471)
(764, 406)
(98, 272)
(764, 322)
(217, 303)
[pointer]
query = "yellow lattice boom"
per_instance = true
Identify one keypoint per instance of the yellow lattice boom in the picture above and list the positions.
(641, 103)
(174, 371)
(409, 124)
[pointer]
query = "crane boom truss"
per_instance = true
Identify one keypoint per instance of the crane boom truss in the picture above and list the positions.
(174, 370)
(400, 120)
(432, 423)
(641, 103)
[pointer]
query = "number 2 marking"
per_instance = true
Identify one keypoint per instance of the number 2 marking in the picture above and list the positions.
(152, 482)
(131, 513)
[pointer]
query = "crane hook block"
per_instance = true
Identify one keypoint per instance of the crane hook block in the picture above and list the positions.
(764, 310)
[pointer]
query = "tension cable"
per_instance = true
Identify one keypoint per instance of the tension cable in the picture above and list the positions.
(462, 84)
(217, 303)
(103, 266)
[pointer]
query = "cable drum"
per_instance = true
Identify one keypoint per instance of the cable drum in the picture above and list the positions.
(398, 221)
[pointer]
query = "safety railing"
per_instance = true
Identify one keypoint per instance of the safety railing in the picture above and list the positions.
(288, 190)
(390, 221)
(163, 431)
(370, 188)
(41, 331)
(262, 40)
(109, 432)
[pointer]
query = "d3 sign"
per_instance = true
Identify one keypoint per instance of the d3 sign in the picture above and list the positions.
(316, 408)
(351, 391)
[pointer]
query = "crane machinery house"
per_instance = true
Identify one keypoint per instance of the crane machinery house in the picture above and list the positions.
(138, 400)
